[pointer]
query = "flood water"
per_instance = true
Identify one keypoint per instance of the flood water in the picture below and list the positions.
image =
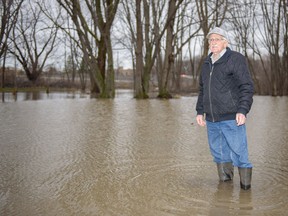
(126, 157)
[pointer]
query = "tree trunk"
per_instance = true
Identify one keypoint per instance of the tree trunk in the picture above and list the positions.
(110, 78)
(139, 55)
(169, 57)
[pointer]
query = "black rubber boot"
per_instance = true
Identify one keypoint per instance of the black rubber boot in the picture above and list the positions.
(225, 171)
(245, 177)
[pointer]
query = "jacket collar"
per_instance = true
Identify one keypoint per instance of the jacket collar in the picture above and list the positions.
(227, 53)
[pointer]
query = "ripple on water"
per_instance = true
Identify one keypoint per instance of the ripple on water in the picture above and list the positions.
(270, 186)
(130, 157)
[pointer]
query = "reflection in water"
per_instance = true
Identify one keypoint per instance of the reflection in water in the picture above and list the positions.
(229, 200)
(86, 156)
(41, 95)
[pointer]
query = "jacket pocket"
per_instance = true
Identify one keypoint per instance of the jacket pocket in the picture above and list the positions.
(224, 103)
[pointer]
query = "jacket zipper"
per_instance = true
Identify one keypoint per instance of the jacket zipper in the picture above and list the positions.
(232, 98)
(210, 100)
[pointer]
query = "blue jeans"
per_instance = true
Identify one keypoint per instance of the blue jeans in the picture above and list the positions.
(228, 143)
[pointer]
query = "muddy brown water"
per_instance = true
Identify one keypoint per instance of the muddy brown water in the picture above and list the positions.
(82, 156)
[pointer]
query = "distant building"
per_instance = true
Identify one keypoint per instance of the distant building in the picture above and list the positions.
(122, 73)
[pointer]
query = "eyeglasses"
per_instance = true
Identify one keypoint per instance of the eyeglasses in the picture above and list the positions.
(215, 40)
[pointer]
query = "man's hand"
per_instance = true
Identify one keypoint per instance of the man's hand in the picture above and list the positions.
(240, 119)
(200, 120)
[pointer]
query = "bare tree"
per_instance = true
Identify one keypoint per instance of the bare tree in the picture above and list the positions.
(138, 53)
(186, 30)
(100, 14)
(33, 40)
(73, 55)
(153, 27)
(272, 32)
(169, 55)
(9, 14)
(145, 40)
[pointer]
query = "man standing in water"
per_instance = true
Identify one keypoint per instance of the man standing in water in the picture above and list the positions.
(225, 97)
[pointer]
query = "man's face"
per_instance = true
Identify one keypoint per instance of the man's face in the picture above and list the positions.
(217, 43)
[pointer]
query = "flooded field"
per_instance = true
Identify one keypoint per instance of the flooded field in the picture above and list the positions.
(73, 155)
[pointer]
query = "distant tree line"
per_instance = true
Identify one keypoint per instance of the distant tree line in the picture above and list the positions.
(164, 38)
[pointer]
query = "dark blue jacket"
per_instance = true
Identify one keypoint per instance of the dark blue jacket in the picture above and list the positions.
(225, 87)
